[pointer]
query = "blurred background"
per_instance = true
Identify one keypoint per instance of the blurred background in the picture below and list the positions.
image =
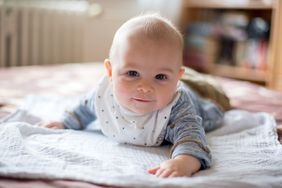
(66, 31)
(231, 38)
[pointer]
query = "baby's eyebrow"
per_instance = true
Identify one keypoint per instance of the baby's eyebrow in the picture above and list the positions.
(167, 70)
(130, 66)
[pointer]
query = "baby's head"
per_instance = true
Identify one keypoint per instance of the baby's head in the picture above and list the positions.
(145, 63)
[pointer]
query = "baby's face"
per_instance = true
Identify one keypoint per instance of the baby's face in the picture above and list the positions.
(145, 74)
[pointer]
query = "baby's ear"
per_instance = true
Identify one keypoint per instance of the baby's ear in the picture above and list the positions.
(108, 66)
(181, 72)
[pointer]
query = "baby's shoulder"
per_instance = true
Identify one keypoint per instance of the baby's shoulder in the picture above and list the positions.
(184, 93)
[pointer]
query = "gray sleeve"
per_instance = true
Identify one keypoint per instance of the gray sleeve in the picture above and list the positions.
(186, 133)
(81, 114)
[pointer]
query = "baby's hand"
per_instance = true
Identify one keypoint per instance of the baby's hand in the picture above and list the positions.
(182, 165)
(52, 125)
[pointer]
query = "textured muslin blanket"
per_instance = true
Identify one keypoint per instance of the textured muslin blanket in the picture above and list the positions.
(245, 152)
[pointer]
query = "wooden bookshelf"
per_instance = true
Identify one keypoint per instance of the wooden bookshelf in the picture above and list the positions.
(271, 10)
(274, 76)
(231, 4)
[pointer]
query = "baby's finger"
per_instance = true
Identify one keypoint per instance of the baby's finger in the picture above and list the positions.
(174, 174)
(153, 170)
(159, 172)
(51, 125)
(56, 126)
(165, 174)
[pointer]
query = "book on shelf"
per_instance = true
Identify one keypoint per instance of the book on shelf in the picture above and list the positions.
(252, 54)
(232, 39)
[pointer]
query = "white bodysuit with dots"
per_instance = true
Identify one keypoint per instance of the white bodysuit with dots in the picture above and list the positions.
(128, 127)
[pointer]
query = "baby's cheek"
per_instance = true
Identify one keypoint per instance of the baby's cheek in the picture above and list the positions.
(122, 91)
(165, 97)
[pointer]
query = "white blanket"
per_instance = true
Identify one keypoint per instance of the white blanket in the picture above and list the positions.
(245, 152)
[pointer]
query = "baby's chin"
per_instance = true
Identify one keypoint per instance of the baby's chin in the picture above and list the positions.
(140, 108)
(141, 111)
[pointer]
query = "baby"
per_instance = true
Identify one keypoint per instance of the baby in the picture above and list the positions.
(142, 102)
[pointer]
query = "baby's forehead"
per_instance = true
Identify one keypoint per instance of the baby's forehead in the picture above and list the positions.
(137, 34)
(147, 28)
(154, 28)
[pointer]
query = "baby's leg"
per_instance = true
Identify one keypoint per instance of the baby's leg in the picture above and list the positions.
(211, 114)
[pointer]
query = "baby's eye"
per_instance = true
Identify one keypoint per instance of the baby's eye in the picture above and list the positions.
(132, 74)
(161, 77)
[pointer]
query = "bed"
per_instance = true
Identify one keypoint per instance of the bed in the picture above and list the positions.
(71, 80)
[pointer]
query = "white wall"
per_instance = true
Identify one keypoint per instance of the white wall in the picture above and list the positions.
(99, 29)
(66, 31)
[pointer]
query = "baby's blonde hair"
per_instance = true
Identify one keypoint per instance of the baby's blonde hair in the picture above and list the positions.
(152, 26)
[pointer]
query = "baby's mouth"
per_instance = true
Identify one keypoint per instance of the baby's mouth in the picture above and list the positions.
(142, 100)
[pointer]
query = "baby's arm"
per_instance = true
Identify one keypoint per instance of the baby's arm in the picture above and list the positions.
(52, 125)
(181, 165)
(82, 114)
(190, 151)
(78, 117)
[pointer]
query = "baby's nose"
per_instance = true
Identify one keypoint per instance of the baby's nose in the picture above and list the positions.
(145, 87)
